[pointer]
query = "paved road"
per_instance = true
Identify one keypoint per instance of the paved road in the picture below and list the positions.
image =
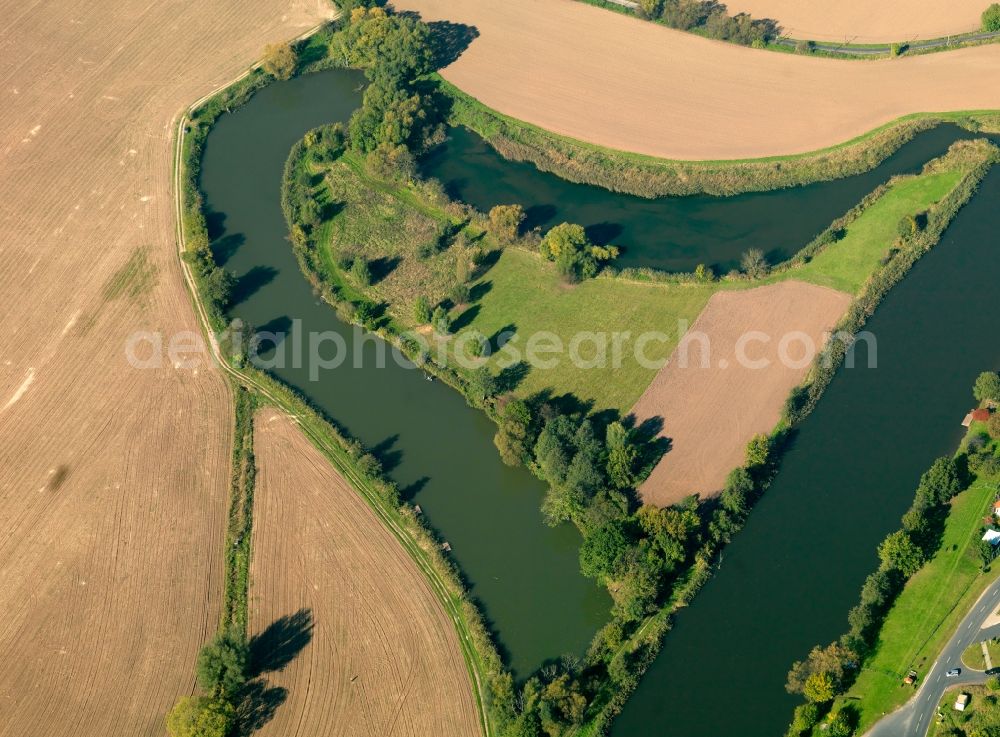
(913, 719)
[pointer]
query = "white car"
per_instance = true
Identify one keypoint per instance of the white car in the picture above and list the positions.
(953, 672)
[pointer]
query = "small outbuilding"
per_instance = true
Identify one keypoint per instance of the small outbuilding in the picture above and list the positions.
(976, 415)
(961, 702)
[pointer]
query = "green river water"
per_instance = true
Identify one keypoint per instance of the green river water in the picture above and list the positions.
(789, 579)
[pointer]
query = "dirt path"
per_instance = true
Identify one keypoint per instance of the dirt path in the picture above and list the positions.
(629, 84)
(864, 21)
(382, 657)
(723, 397)
(113, 480)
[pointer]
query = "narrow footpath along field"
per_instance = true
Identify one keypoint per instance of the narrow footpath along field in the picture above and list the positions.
(863, 21)
(627, 84)
(113, 480)
(370, 649)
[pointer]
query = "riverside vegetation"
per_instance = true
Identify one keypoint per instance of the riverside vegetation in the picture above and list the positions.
(651, 560)
(908, 607)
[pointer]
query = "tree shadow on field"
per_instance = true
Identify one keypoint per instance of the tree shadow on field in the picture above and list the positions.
(279, 644)
(450, 41)
(271, 650)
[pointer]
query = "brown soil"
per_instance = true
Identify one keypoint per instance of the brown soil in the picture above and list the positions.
(628, 84)
(113, 480)
(383, 658)
(865, 21)
(710, 413)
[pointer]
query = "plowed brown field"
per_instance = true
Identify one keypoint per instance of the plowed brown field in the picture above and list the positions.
(866, 21)
(113, 480)
(711, 410)
(383, 658)
(628, 84)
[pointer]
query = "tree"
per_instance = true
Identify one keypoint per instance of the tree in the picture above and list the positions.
(754, 263)
(386, 46)
(441, 321)
(603, 552)
(505, 222)
(738, 492)
(899, 552)
(987, 387)
(622, 455)
(805, 718)
(991, 18)
(574, 255)
(361, 271)
(422, 310)
(512, 437)
(819, 688)
(280, 60)
(986, 553)
(993, 425)
(460, 294)
(222, 664)
(482, 383)
(219, 285)
(389, 116)
(201, 716)
(758, 451)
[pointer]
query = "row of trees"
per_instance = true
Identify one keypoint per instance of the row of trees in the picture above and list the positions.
(829, 671)
(637, 551)
(712, 19)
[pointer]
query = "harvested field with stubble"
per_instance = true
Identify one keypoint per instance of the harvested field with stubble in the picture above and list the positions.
(113, 480)
(865, 21)
(376, 653)
(625, 83)
(711, 410)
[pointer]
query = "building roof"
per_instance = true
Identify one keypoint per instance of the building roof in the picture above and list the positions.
(992, 536)
(980, 415)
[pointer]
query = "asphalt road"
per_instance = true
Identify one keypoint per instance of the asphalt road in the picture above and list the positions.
(913, 719)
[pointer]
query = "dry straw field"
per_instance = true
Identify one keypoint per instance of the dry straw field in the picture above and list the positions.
(866, 21)
(383, 658)
(113, 480)
(711, 410)
(621, 82)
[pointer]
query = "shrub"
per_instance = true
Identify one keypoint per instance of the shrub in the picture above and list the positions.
(361, 271)
(460, 294)
(441, 321)
(280, 60)
(201, 716)
(991, 18)
(506, 221)
(805, 47)
(422, 310)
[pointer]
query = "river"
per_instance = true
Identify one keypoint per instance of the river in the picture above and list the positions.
(799, 563)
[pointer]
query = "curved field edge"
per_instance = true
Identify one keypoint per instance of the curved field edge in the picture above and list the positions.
(649, 176)
(480, 656)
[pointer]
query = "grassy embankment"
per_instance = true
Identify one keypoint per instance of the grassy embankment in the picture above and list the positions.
(974, 658)
(389, 224)
(648, 176)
